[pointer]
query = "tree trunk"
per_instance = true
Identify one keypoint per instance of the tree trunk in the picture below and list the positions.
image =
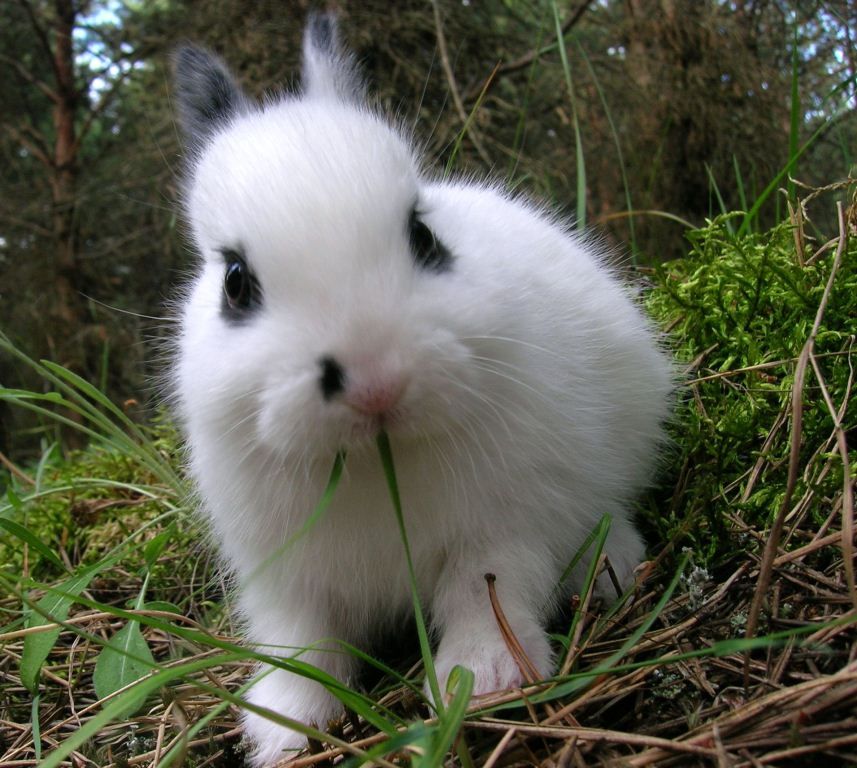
(64, 177)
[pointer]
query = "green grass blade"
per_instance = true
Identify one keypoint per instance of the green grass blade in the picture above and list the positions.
(449, 723)
(456, 147)
(720, 202)
(598, 532)
(317, 513)
(578, 142)
(178, 749)
(425, 647)
(44, 460)
(106, 421)
(795, 118)
(416, 736)
(620, 156)
(753, 213)
(517, 142)
(91, 396)
(356, 701)
(719, 648)
(599, 539)
(28, 400)
(26, 535)
(117, 706)
(739, 183)
(397, 677)
(36, 725)
(567, 689)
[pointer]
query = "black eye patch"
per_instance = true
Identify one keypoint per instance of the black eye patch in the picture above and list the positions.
(428, 252)
(241, 291)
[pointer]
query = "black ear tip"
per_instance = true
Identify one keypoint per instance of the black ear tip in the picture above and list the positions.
(321, 30)
(186, 53)
(189, 58)
(206, 94)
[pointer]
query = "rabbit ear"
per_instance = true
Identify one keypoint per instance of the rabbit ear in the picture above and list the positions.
(206, 93)
(329, 71)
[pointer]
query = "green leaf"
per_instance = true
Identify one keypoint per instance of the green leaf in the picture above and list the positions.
(124, 660)
(26, 535)
(154, 548)
(54, 606)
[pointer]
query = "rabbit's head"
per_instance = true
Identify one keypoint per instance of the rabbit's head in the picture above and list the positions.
(329, 300)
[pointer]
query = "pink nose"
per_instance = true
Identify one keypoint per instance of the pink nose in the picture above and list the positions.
(376, 398)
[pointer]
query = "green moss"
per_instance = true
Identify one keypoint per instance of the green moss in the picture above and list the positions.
(86, 504)
(735, 303)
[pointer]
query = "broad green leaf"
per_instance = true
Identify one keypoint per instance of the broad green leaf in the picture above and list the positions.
(54, 606)
(124, 660)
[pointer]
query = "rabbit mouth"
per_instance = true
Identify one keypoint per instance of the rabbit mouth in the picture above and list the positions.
(366, 428)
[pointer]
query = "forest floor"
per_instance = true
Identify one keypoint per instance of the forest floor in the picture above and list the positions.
(738, 646)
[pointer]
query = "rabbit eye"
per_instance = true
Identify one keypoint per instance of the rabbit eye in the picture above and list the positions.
(240, 287)
(237, 285)
(428, 252)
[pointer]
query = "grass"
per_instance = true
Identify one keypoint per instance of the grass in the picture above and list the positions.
(116, 646)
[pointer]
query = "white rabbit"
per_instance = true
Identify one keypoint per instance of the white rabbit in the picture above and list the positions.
(340, 290)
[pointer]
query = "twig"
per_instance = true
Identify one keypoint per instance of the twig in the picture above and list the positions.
(453, 86)
(795, 752)
(19, 473)
(589, 735)
(763, 454)
(797, 231)
(42, 35)
(813, 546)
(847, 533)
(88, 618)
(497, 752)
(526, 59)
(525, 665)
(528, 670)
(27, 75)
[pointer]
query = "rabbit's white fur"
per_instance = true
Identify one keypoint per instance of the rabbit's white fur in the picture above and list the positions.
(532, 393)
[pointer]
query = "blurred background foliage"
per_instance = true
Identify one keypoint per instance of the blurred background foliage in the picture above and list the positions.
(683, 107)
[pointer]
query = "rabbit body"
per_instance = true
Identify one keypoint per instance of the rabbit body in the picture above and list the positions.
(522, 389)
